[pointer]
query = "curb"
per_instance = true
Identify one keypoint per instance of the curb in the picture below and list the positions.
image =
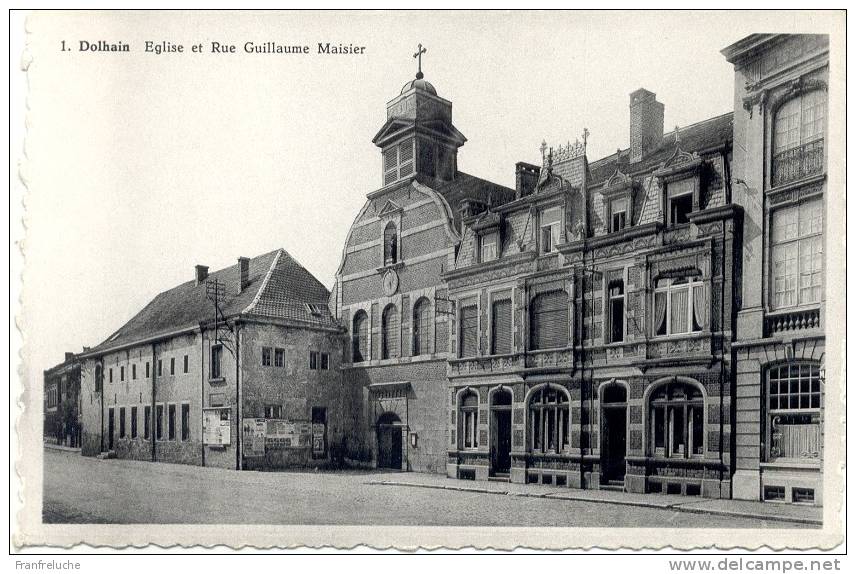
(676, 506)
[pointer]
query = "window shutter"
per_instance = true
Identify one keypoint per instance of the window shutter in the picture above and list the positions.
(501, 327)
(405, 151)
(549, 321)
(469, 331)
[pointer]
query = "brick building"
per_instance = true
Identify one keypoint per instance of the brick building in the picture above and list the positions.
(257, 387)
(62, 423)
(593, 329)
(780, 102)
(389, 293)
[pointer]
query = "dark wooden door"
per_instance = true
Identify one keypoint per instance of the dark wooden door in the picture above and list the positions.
(111, 422)
(501, 450)
(614, 443)
(389, 446)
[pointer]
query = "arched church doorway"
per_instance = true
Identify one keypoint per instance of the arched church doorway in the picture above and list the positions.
(389, 443)
(613, 433)
(500, 440)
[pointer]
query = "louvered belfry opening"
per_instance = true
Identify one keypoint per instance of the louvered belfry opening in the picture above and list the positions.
(501, 327)
(548, 321)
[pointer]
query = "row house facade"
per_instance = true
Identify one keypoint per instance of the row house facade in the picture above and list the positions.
(592, 334)
(780, 120)
(62, 423)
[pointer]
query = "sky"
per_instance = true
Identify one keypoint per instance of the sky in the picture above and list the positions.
(139, 166)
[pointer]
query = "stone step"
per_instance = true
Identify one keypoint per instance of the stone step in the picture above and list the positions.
(500, 477)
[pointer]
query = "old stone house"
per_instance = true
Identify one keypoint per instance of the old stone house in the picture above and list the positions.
(62, 424)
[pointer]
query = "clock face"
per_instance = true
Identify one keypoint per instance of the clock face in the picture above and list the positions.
(390, 282)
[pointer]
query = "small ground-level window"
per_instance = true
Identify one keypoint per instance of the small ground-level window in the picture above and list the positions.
(469, 420)
(802, 494)
(774, 493)
(549, 420)
(677, 420)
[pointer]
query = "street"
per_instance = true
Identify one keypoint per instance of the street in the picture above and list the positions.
(87, 490)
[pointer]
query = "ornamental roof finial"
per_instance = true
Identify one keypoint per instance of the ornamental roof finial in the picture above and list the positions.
(418, 55)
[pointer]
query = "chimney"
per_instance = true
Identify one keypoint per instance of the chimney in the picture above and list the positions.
(244, 267)
(526, 177)
(646, 123)
(201, 273)
(68, 357)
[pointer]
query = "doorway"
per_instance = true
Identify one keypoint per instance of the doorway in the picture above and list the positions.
(389, 443)
(111, 422)
(613, 434)
(500, 444)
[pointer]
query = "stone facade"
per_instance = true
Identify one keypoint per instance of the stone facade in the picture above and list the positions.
(780, 80)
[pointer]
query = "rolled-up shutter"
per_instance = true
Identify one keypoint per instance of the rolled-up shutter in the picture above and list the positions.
(548, 323)
(469, 331)
(501, 322)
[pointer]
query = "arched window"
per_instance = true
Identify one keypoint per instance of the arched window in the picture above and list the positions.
(680, 306)
(421, 327)
(360, 337)
(548, 420)
(793, 412)
(548, 321)
(390, 244)
(99, 378)
(798, 131)
(389, 333)
(468, 420)
(676, 413)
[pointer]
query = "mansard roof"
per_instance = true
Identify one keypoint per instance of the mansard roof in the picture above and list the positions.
(466, 186)
(694, 138)
(279, 288)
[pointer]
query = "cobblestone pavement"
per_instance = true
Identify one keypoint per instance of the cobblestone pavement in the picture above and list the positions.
(86, 490)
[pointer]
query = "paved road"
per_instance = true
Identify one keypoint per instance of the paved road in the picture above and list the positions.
(87, 490)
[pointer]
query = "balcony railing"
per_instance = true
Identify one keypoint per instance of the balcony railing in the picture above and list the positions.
(798, 162)
(793, 321)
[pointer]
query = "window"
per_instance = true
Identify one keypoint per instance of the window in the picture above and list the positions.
(172, 365)
(171, 422)
(680, 306)
(110, 374)
(99, 378)
(186, 364)
(469, 335)
(390, 244)
(216, 358)
(266, 357)
(273, 411)
(793, 412)
(185, 422)
(421, 327)
(389, 333)
(134, 372)
(677, 420)
(469, 420)
(797, 254)
(549, 420)
(548, 321)
(121, 422)
(148, 373)
(133, 422)
(147, 422)
(615, 311)
(550, 229)
(398, 161)
(160, 367)
(313, 360)
(680, 206)
(279, 357)
(216, 399)
(489, 246)
(798, 133)
(325, 362)
(360, 334)
(159, 422)
(315, 309)
(618, 209)
(122, 373)
(500, 326)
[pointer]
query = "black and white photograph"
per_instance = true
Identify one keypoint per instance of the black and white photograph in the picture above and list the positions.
(426, 279)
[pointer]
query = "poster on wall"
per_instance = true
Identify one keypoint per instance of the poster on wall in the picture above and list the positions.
(216, 426)
(254, 437)
(292, 434)
(318, 436)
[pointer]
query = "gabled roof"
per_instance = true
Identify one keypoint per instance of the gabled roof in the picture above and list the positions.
(697, 137)
(279, 287)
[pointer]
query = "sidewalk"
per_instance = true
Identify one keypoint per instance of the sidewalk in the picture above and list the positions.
(802, 514)
(61, 447)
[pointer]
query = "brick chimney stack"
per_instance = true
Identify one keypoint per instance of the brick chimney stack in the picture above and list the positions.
(244, 267)
(646, 123)
(526, 176)
(201, 273)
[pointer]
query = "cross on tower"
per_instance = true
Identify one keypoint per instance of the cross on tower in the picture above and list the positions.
(418, 55)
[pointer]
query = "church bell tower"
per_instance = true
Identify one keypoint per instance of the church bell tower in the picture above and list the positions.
(418, 136)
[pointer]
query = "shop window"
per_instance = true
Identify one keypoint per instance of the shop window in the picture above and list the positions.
(549, 420)
(390, 244)
(615, 310)
(680, 306)
(389, 333)
(279, 357)
(489, 244)
(360, 337)
(421, 327)
(548, 321)
(469, 420)
(797, 254)
(185, 421)
(216, 362)
(468, 331)
(266, 356)
(501, 329)
(798, 132)
(793, 412)
(133, 422)
(550, 229)
(676, 413)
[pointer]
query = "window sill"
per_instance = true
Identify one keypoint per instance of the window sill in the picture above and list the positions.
(677, 336)
(796, 464)
(216, 380)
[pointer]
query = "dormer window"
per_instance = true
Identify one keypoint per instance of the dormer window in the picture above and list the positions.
(550, 226)
(390, 244)
(489, 246)
(680, 206)
(618, 210)
(398, 161)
